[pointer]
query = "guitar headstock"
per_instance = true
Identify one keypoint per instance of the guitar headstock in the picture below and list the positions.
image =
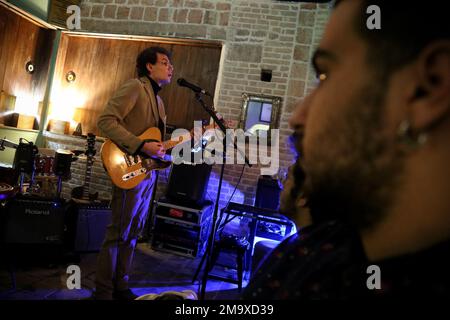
(90, 145)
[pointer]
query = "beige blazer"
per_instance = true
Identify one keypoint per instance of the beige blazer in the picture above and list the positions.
(132, 109)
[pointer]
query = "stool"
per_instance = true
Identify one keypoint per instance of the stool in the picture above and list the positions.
(231, 243)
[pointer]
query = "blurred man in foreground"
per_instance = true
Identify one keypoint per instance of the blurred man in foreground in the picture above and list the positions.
(376, 158)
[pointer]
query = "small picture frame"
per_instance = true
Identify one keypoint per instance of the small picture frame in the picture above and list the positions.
(259, 115)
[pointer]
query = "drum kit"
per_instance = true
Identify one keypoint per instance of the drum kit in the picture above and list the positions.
(37, 172)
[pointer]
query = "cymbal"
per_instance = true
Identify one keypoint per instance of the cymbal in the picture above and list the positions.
(7, 191)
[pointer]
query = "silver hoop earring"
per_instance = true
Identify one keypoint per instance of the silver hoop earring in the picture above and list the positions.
(407, 137)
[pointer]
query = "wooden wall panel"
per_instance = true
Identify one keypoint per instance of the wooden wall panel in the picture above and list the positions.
(9, 33)
(103, 64)
(199, 66)
(21, 41)
(16, 78)
(4, 18)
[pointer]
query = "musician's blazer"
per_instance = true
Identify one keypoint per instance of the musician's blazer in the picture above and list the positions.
(130, 111)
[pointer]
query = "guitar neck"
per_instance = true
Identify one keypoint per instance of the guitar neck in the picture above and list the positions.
(87, 177)
(169, 144)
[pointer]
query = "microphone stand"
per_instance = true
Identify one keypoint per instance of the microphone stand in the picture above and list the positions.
(211, 239)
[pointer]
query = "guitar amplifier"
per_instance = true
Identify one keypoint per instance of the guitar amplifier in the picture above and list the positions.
(33, 221)
(268, 193)
(86, 225)
(188, 183)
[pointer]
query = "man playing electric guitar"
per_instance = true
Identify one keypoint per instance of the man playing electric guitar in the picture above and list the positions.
(133, 109)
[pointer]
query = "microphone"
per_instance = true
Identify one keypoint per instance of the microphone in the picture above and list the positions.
(183, 83)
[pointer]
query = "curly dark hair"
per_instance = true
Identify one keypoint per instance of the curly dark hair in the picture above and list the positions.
(407, 27)
(149, 55)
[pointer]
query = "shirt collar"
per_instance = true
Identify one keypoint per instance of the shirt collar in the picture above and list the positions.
(155, 86)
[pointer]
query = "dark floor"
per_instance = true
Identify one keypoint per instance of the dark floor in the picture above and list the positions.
(153, 272)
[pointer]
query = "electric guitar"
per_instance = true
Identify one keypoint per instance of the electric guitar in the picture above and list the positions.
(82, 192)
(127, 171)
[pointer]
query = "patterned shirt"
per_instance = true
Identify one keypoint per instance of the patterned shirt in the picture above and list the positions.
(328, 262)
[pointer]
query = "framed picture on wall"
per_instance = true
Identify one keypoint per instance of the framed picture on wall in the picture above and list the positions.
(260, 114)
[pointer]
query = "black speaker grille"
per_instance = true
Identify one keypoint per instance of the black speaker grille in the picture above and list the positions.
(188, 183)
(34, 222)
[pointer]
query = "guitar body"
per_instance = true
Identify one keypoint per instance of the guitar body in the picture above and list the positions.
(127, 171)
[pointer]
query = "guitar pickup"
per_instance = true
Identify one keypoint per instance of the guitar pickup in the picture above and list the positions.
(134, 174)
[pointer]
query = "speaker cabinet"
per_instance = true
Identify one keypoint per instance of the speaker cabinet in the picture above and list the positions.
(33, 221)
(188, 183)
(86, 226)
(268, 193)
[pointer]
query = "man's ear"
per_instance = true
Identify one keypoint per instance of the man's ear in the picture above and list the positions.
(149, 67)
(431, 100)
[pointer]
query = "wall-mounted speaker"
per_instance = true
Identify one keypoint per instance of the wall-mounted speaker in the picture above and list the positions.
(266, 75)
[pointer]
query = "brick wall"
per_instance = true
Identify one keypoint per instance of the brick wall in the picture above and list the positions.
(257, 34)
